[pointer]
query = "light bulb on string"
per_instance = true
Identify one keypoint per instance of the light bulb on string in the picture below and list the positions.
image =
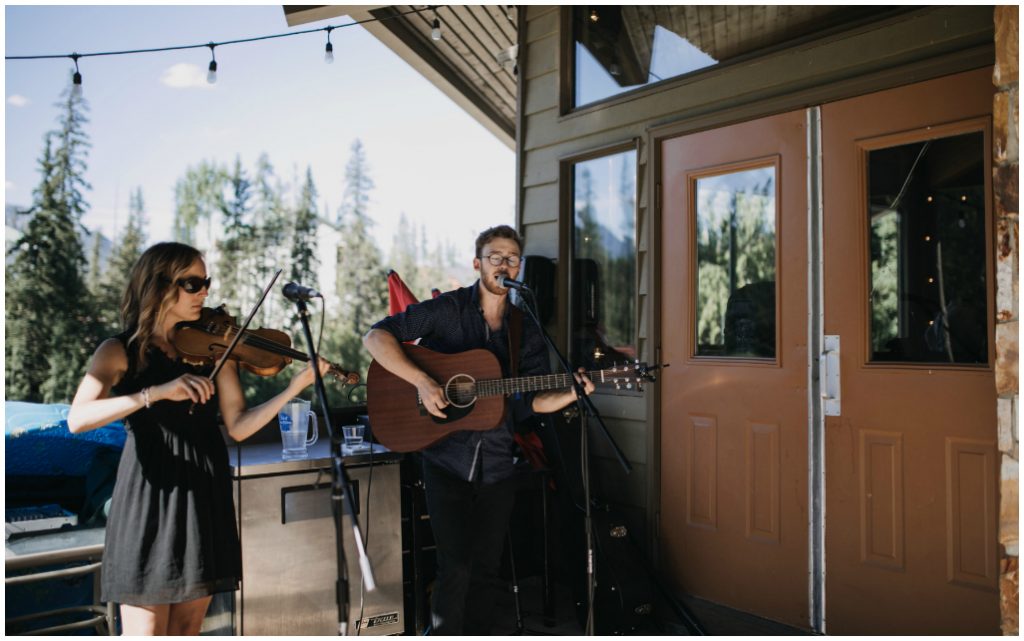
(329, 49)
(211, 75)
(435, 31)
(76, 79)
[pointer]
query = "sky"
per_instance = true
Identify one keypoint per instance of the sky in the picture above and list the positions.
(153, 115)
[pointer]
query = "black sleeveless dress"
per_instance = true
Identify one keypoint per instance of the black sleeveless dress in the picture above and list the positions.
(171, 534)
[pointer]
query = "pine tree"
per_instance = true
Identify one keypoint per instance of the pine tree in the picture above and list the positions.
(197, 196)
(267, 251)
(93, 282)
(405, 257)
(361, 278)
(50, 327)
(303, 259)
(129, 246)
(236, 236)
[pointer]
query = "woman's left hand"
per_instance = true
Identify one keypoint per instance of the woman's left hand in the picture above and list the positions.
(304, 377)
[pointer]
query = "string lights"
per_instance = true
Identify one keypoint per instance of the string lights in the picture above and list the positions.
(435, 28)
(76, 79)
(211, 76)
(329, 49)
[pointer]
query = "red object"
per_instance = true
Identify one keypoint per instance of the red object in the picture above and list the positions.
(533, 450)
(399, 295)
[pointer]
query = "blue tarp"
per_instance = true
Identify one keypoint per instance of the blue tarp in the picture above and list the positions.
(37, 441)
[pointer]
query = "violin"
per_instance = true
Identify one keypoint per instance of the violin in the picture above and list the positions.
(263, 352)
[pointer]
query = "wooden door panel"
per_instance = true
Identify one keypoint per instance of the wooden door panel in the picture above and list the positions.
(734, 473)
(910, 465)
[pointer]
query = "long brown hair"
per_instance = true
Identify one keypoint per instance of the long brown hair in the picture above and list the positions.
(152, 291)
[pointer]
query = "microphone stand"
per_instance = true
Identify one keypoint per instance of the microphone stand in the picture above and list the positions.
(586, 410)
(341, 490)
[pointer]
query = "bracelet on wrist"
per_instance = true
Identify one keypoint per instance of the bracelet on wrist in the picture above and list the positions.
(145, 396)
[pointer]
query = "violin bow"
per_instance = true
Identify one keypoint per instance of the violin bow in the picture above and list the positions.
(240, 332)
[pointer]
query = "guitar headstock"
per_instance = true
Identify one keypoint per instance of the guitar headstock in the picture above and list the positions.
(630, 375)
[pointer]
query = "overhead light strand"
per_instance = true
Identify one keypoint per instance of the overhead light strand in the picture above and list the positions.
(217, 44)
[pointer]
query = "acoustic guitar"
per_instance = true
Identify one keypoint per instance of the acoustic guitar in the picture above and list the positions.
(475, 392)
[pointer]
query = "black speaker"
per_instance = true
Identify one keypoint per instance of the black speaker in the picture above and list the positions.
(540, 276)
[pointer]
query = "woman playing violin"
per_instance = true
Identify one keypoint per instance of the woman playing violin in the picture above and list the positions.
(171, 539)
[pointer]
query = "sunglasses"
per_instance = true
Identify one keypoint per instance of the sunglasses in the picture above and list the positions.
(193, 284)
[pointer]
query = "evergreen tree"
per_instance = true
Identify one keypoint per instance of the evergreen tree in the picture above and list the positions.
(93, 282)
(303, 260)
(236, 236)
(128, 247)
(267, 251)
(197, 196)
(361, 278)
(405, 256)
(50, 328)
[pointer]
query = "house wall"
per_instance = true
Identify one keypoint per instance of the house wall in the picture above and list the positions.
(909, 47)
(1005, 178)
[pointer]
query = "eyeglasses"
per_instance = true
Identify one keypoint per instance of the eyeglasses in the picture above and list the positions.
(193, 284)
(498, 259)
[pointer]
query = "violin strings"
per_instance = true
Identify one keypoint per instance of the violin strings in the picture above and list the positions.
(272, 346)
(266, 343)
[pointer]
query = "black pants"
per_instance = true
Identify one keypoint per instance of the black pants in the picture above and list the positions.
(469, 521)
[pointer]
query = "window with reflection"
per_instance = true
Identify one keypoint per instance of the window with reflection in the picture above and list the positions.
(604, 260)
(619, 48)
(735, 243)
(927, 243)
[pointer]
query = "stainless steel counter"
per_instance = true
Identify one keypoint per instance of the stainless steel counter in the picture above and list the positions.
(265, 458)
(289, 565)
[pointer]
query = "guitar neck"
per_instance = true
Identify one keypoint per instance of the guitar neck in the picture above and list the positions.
(505, 386)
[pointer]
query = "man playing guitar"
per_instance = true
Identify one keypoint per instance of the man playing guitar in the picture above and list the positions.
(469, 475)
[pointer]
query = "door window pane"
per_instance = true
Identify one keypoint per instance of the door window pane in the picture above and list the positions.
(735, 307)
(927, 239)
(604, 260)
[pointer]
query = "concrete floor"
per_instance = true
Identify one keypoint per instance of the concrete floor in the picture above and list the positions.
(667, 619)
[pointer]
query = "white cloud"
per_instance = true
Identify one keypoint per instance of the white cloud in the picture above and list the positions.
(185, 76)
(18, 100)
(9, 186)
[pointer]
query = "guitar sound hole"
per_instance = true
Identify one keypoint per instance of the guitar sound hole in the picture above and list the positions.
(461, 390)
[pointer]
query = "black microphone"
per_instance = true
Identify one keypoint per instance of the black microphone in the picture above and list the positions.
(296, 292)
(508, 283)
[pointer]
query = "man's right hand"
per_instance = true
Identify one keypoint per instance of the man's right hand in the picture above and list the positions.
(432, 396)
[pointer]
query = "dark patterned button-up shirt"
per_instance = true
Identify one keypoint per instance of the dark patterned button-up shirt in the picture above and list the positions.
(454, 322)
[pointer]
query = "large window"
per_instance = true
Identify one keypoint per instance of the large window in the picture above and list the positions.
(604, 260)
(619, 48)
(926, 234)
(735, 243)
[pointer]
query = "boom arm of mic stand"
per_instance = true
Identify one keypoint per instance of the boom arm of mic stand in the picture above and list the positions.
(581, 395)
(341, 488)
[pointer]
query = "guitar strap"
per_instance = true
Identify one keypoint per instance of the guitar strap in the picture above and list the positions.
(515, 339)
(529, 443)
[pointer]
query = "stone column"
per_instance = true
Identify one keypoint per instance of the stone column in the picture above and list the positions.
(1004, 184)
